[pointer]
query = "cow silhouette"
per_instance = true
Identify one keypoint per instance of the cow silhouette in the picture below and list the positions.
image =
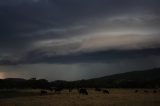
(58, 90)
(83, 91)
(97, 89)
(136, 91)
(105, 91)
(49, 88)
(146, 91)
(43, 92)
(70, 90)
(154, 91)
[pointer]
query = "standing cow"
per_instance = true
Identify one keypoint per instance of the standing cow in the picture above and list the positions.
(58, 90)
(136, 91)
(105, 91)
(44, 92)
(97, 89)
(83, 91)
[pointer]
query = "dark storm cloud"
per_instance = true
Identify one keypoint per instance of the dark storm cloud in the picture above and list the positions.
(97, 57)
(68, 31)
(109, 56)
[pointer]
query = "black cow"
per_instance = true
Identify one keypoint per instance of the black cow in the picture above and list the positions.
(83, 91)
(105, 91)
(97, 89)
(49, 88)
(43, 92)
(154, 91)
(58, 90)
(136, 91)
(70, 90)
(146, 91)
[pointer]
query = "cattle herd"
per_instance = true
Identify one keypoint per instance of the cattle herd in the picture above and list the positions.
(147, 91)
(84, 91)
(81, 91)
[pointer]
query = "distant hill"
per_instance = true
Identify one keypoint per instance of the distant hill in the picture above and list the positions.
(136, 79)
(141, 78)
(145, 75)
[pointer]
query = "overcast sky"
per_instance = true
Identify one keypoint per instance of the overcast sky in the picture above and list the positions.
(78, 39)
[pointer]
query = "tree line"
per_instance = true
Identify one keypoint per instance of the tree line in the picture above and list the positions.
(34, 83)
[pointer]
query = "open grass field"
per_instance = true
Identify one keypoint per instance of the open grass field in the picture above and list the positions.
(117, 97)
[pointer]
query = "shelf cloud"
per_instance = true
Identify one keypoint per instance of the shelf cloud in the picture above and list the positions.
(67, 32)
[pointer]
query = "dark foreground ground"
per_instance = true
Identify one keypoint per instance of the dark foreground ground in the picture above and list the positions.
(117, 97)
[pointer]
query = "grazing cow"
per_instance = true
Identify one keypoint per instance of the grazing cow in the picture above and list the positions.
(146, 91)
(154, 91)
(105, 91)
(49, 88)
(70, 90)
(43, 92)
(98, 89)
(136, 91)
(58, 90)
(83, 91)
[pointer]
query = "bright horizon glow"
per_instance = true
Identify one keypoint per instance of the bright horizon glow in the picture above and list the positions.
(2, 75)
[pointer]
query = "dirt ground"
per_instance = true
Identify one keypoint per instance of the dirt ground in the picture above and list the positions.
(117, 97)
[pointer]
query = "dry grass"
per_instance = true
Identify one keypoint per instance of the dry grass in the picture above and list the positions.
(117, 97)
